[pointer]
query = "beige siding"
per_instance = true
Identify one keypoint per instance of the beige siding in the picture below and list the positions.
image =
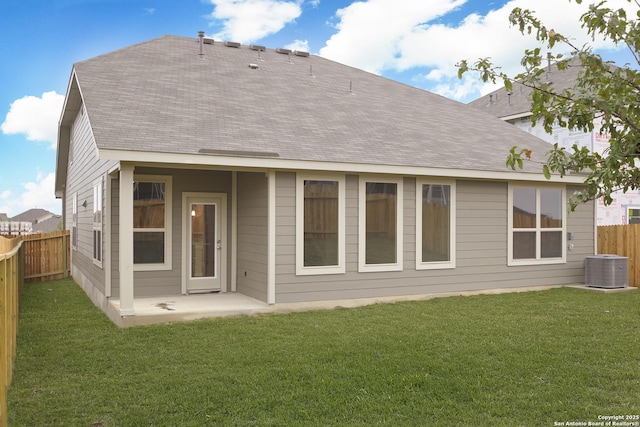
(252, 235)
(481, 256)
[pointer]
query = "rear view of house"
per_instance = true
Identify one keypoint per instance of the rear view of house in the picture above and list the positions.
(189, 166)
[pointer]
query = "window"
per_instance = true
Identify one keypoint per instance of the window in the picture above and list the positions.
(320, 219)
(74, 221)
(435, 224)
(633, 215)
(380, 225)
(97, 223)
(151, 222)
(537, 225)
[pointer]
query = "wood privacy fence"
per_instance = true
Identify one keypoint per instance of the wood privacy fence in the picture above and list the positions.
(622, 240)
(11, 279)
(46, 256)
(31, 258)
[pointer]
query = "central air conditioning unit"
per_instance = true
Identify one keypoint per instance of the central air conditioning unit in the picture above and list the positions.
(606, 271)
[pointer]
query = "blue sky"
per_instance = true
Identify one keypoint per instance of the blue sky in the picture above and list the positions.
(417, 42)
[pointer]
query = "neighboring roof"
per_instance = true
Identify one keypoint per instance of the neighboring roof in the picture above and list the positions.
(161, 96)
(48, 225)
(33, 215)
(517, 103)
(4, 217)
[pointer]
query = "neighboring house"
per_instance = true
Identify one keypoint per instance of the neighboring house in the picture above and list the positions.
(515, 107)
(187, 166)
(31, 221)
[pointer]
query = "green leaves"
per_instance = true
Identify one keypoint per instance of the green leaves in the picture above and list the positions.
(603, 100)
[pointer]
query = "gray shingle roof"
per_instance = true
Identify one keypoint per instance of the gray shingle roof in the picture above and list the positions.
(161, 96)
(48, 225)
(34, 215)
(500, 104)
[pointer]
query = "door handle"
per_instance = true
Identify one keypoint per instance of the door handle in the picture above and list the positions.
(219, 244)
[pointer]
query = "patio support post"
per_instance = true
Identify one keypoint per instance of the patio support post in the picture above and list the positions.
(271, 239)
(126, 240)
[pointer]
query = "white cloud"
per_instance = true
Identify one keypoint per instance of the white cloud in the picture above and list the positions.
(406, 35)
(300, 45)
(38, 194)
(369, 32)
(250, 20)
(35, 117)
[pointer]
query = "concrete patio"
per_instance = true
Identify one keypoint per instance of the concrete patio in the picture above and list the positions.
(176, 308)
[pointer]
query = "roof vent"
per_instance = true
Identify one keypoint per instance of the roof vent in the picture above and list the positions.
(207, 40)
(283, 51)
(300, 53)
(253, 66)
(257, 47)
(201, 41)
(232, 44)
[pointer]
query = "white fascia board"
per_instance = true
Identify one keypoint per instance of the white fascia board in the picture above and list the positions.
(516, 116)
(155, 159)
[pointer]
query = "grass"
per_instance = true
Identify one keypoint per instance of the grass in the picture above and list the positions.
(513, 359)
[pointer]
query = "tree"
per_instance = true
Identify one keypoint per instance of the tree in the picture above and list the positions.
(604, 95)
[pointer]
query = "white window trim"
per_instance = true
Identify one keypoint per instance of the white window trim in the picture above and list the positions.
(420, 265)
(98, 198)
(301, 270)
(362, 190)
(168, 229)
(539, 260)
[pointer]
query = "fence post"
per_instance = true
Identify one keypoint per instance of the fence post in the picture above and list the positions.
(4, 340)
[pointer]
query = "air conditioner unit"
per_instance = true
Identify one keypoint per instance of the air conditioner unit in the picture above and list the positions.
(606, 271)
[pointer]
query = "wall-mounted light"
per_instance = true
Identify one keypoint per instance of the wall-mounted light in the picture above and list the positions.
(84, 204)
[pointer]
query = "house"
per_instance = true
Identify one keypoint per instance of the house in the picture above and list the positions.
(515, 107)
(31, 221)
(188, 166)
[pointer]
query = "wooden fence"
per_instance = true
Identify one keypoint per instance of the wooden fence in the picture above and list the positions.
(46, 256)
(11, 279)
(622, 240)
(32, 258)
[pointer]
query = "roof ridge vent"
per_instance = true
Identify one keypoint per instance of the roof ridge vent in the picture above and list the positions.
(283, 51)
(300, 53)
(232, 44)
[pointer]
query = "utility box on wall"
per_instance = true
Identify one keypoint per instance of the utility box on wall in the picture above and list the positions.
(606, 271)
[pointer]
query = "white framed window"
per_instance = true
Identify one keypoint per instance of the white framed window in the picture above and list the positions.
(97, 222)
(537, 224)
(633, 214)
(320, 224)
(380, 224)
(74, 221)
(152, 222)
(435, 224)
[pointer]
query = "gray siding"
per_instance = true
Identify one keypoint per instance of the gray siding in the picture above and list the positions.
(252, 235)
(481, 249)
(169, 282)
(84, 168)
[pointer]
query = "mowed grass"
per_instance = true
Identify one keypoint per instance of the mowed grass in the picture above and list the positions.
(520, 359)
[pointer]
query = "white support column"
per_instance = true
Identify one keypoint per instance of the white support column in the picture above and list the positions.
(234, 231)
(271, 239)
(126, 241)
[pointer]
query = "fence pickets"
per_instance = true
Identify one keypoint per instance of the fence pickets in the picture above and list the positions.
(11, 278)
(31, 258)
(622, 240)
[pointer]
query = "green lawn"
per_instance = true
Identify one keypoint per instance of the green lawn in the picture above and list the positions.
(521, 359)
